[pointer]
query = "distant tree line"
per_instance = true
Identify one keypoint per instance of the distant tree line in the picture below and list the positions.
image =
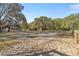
(70, 22)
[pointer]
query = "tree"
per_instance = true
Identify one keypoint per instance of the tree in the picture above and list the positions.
(33, 26)
(58, 23)
(42, 23)
(72, 21)
(11, 13)
(24, 26)
(46, 23)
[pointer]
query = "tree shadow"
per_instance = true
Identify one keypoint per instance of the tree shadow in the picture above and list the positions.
(47, 53)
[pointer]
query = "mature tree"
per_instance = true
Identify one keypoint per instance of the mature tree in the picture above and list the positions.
(72, 22)
(11, 12)
(42, 23)
(58, 24)
(33, 26)
(24, 26)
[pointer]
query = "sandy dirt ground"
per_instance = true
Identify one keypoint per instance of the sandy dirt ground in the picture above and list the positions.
(38, 46)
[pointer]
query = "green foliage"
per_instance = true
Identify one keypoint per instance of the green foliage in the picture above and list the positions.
(11, 14)
(72, 21)
(46, 23)
(24, 26)
(32, 26)
(41, 23)
(58, 23)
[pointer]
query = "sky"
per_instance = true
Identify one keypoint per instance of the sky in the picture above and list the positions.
(53, 10)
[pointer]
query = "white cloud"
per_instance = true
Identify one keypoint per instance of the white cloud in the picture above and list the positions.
(74, 7)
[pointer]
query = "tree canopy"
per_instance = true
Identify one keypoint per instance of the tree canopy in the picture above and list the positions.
(45, 23)
(11, 14)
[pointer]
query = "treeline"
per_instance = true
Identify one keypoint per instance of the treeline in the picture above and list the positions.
(42, 23)
(12, 18)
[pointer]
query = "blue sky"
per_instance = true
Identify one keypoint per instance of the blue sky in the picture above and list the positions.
(53, 10)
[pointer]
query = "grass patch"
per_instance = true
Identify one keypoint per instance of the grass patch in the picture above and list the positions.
(5, 43)
(3, 46)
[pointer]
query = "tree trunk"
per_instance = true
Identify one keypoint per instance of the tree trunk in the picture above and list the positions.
(40, 29)
(73, 33)
(8, 28)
